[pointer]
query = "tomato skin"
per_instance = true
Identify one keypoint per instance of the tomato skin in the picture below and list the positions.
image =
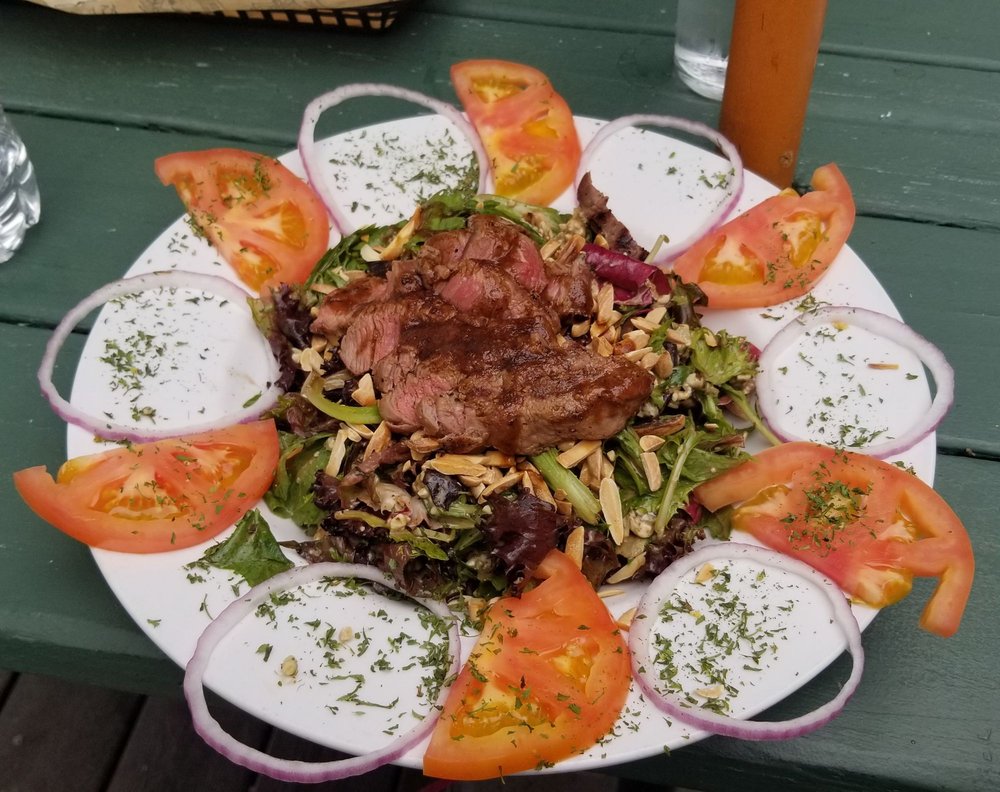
(546, 680)
(882, 525)
(267, 223)
(775, 251)
(154, 497)
(526, 127)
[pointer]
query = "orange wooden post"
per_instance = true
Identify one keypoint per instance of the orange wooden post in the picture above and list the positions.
(772, 57)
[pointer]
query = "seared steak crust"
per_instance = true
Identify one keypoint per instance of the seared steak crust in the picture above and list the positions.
(464, 344)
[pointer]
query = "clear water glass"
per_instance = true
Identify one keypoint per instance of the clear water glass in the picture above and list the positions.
(19, 201)
(701, 48)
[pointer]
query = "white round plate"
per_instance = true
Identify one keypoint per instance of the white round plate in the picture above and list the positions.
(657, 185)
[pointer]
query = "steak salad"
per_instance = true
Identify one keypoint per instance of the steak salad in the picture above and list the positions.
(475, 386)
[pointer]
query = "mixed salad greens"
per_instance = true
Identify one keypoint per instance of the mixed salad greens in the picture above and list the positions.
(467, 528)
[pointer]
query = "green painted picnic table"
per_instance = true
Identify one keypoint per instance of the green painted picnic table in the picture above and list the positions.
(906, 100)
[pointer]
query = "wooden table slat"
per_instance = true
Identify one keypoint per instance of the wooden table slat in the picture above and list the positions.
(85, 731)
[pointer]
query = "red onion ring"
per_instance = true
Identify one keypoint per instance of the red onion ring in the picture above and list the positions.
(232, 749)
(719, 214)
(706, 720)
(310, 155)
(109, 430)
(881, 324)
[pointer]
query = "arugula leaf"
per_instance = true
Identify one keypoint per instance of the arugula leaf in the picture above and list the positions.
(251, 551)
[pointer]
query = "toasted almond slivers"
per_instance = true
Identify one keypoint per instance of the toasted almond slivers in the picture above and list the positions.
(650, 442)
(379, 440)
(664, 367)
(656, 315)
(884, 366)
(394, 249)
(595, 465)
(361, 430)
(605, 304)
(419, 443)
(539, 488)
(502, 484)
(456, 465)
(475, 607)
(309, 360)
(651, 467)
(636, 355)
(602, 347)
(705, 573)
(580, 329)
(578, 452)
(649, 360)
(496, 459)
(564, 507)
(638, 338)
(628, 570)
(365, 392)
(611, 506)
(608, 593)
(322, 288)
(345, 634)
(574, 546)
(713, 692)
(625, 620)
(680, 335)
(643, 324)
(338, 450)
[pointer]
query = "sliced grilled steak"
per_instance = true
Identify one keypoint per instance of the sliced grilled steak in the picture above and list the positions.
(507, 384)
(376, 328)
(594, 205)
(340, 306)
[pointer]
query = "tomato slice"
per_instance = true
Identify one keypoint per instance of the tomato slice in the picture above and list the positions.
(868, 525)
(777, 250)
(546, 680)
(152, 497)
(526, 127)
(267, 223)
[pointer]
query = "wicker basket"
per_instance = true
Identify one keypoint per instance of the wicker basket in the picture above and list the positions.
(373, 17)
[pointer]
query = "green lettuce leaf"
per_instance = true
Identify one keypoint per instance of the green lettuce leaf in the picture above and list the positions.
(251, 552)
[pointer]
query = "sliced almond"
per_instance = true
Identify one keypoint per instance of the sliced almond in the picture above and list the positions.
(502, 484)
(605, 304)
(625, 620)
(602, 347)
(422, 444)
(713, 692)
(651, 442)
(705, 573)
(639, 338)
(611, 506)
(651, 467)
(656, 314)
(638, 354)
(608, 593)
(884, 366)
(456, 465)
(322, 288)
(649, 360)
(680, 335)
(338, 451)
(664, 367)
(362, 430)
(394, 249)
(574, 546)
(365, 392)
(577, 453)
(644, 324)
(309, 360)
(539, 487)
(379, 441)
(627, 571)
(580, 329)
